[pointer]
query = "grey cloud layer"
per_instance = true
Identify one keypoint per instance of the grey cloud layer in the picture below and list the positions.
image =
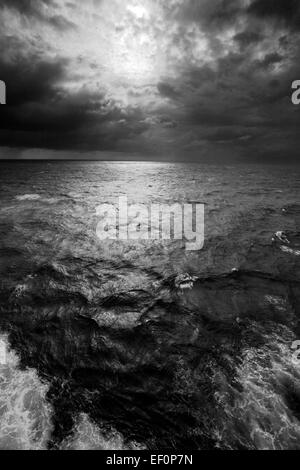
(237, 103)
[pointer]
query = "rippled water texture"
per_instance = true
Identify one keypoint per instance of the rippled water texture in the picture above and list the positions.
(129, 345)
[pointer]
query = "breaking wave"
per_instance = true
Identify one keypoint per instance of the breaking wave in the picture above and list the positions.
(88, 436)
(262, 407)
(148, 343)
(289, 242)
(286, 249)
(25, 415)
(28, 197)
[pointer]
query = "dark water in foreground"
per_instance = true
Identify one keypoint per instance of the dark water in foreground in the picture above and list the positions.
(105, 350)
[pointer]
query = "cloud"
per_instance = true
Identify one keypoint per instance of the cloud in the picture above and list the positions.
(271, 59)
(41, 10)
(165, 89)
(40, 113)
(182, 78)
(248, 38)
(30, 80)
(27, 7)
(211, 14)
(284, 11)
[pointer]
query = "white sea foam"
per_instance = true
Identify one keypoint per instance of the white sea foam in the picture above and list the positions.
(257, 414)
(25, 416)
(20, 290)
(279, 303)
(3, 351)
(286, 249)
(113, 320)
(28, 197)
(88, 436)
(37, 197)
(282, 237)
(185, 281)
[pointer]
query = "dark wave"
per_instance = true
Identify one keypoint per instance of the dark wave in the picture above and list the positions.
(146, 344)
(144, 362)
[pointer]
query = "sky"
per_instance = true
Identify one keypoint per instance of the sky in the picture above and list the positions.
(173, 80)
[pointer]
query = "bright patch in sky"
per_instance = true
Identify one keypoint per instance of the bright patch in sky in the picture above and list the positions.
(139, 11)
(123, 49)
(194, 76)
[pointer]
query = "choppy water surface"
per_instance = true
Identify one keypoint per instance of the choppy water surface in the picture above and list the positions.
(105, 350)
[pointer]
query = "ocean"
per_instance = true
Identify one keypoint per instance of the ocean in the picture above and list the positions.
(101, 344)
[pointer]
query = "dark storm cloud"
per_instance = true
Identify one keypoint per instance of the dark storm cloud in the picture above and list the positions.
(243, 101)
(210, 14)
(248, 38)
(165, 89)
(30, 80)
(240, 106)
(238, 101)
(41, 114)
(285, 11)
(26, 7)
(271, 59)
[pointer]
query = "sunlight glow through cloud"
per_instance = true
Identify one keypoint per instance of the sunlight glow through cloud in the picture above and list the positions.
(116, 45)
(148, 75)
